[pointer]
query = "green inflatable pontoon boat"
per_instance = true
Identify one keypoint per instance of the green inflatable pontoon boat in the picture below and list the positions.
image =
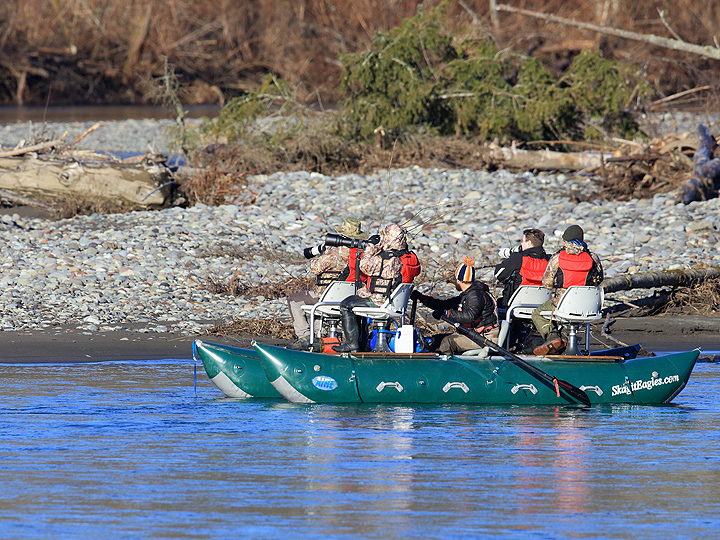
(303, 377)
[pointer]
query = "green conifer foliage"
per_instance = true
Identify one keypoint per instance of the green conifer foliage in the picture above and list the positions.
(395, 83)
(418, 76)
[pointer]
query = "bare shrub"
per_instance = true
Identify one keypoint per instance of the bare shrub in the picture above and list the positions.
(213, 186)
(243, 253)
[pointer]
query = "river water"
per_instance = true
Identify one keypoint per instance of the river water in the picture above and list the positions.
(131, 450)
(90, 113)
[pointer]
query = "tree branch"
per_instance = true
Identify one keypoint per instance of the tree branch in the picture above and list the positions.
(675, 44)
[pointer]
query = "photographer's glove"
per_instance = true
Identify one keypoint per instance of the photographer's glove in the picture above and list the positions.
(374, 239)
(439, 314)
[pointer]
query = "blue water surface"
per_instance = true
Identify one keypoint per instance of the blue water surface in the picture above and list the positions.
(129, 450)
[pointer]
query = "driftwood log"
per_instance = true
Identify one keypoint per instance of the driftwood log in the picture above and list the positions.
(51, 180)
(543, 160)
(667, 278)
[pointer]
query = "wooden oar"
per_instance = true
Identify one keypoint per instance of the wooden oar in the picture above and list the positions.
(572, 391)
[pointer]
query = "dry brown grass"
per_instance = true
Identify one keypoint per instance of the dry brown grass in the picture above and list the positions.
(85, 205)
(254, 327)
(270, 291)
(323, 152)
(102, 51)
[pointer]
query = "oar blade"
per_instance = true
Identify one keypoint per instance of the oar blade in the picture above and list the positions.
(575, 392)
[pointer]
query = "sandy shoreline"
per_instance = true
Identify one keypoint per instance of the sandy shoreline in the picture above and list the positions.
(68, 345)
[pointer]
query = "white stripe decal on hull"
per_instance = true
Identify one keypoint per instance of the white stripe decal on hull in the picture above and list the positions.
(228, 387)
(289, 392)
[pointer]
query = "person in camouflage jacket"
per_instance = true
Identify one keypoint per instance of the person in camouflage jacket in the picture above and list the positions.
(574, 264)
(326, 267)
(382, 267)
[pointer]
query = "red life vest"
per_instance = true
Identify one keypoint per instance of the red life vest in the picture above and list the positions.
(410, 267)
(532, 270)
(575, 269)
(354, 265)
(409, 271)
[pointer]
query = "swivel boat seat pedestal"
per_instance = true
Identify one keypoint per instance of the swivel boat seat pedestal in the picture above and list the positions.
(393, 309)
(578, 306)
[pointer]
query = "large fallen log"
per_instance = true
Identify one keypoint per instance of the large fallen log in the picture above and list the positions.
(665, 278)
(53, 180)
(543, 160)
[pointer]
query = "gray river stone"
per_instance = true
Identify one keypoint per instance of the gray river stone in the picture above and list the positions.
(151, 269)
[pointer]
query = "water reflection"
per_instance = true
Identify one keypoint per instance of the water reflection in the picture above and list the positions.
(128, 448)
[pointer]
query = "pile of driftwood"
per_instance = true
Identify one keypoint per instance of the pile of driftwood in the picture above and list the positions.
(629, 170)
(41, 174)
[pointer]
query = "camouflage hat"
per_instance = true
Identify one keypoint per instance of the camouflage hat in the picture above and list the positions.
(351, 228)
(393, 237)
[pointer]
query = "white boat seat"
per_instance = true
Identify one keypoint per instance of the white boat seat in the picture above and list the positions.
(394, 307)
(327, 307)
(479, 353)
(521, 306)
(580, 305)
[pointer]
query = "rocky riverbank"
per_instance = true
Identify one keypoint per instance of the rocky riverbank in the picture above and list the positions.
(148, 272)
(105, 271)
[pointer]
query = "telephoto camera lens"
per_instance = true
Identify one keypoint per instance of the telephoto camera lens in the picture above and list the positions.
(314, 251)
(332, 239)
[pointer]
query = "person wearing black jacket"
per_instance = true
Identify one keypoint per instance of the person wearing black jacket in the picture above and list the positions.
(474, 308)
(525, 266)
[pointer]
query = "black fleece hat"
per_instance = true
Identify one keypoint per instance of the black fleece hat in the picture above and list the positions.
(573, 232)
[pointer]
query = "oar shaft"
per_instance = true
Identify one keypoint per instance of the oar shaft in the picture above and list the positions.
(413, 309)
(573, 391)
